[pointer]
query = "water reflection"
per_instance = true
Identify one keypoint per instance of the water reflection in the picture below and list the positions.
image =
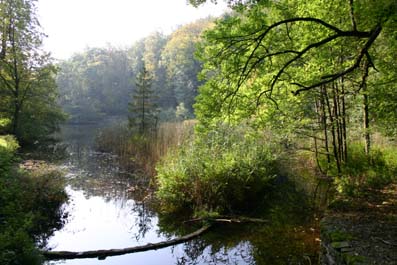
(107, 210)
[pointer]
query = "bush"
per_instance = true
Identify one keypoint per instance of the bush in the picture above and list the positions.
(18, 248)
(225, 170)
(29, 207)
(8, 146)
(363, 171)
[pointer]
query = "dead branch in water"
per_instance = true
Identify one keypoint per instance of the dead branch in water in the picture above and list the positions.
(102, 254)
(228, 219)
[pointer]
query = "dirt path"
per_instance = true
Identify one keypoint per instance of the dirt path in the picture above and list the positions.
(369, 225)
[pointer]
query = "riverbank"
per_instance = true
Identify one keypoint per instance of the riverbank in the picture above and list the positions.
(31, 193)
(362, 230)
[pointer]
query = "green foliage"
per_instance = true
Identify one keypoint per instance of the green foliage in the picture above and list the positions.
(95, 83)
(4, 124)
(8, 146)
(298, 68)
(181, 65)
(18, 248)
(143, 110)
(363, 171)
(98, 82)
(27, 85)
(224, 170)
(29, 208)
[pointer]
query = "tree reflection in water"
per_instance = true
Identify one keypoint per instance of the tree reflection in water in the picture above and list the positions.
(100, 178)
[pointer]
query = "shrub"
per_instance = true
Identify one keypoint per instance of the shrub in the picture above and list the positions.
(225, 170)
(29, 207)
(366, 171)
(8, 146)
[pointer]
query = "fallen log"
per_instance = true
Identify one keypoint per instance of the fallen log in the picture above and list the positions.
(102, 254)
(228, 219)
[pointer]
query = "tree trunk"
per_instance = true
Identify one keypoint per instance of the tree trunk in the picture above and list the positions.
(15, 119)
(344, 131)
(333, 132)
(367, 136)
(324, 121)
(102, 254)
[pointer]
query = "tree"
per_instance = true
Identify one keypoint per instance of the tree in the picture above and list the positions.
(95, 84)
(307, 59)
(26, 74)
(143, 110)
(154, 45)
(181, 65)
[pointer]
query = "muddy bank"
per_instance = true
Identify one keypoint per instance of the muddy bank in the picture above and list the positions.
(363, 230)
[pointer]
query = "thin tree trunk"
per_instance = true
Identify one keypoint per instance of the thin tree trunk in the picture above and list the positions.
(367, 136)
(337, 120)
(17, 102)
(324, 120)
(344, 132)
(319, 121)
(15, 119)
(334, 140)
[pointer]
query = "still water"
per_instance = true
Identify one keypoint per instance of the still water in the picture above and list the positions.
(107, 210)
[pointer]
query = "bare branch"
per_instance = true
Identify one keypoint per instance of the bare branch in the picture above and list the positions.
(332, 77)
(317, 21)
(253, 43)
(300, 54)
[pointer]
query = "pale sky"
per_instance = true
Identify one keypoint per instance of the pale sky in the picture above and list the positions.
(73, 25)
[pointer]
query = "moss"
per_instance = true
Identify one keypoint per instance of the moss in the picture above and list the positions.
(338, 236)
(352, 259)
(332, 234)
(340, 244)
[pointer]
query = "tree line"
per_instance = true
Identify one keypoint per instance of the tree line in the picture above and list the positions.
(102, 82)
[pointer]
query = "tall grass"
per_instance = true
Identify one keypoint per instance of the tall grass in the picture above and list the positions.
(225, 170)
(140, 153)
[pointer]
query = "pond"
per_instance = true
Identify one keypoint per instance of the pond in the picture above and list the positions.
(107, 210)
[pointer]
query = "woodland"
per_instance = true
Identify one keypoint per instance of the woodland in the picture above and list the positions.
(281, 93)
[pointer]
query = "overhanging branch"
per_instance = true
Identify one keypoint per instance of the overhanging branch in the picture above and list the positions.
(332, 77)
(239, 44)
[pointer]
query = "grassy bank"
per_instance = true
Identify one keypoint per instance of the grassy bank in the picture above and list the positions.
(29, 207)
(233, 169)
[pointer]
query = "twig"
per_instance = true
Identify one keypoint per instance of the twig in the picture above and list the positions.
(385, 242)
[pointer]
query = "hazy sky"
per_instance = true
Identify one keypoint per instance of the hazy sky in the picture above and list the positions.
(72, 25)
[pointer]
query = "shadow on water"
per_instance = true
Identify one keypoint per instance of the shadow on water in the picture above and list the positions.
(107, 209)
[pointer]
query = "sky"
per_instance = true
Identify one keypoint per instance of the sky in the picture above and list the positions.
(73, 25)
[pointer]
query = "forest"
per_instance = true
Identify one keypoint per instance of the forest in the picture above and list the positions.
(277, 110)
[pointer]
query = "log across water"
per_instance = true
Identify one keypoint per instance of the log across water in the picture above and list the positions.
(102, 254)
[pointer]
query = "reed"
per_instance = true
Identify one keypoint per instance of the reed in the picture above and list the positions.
(140, 153)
